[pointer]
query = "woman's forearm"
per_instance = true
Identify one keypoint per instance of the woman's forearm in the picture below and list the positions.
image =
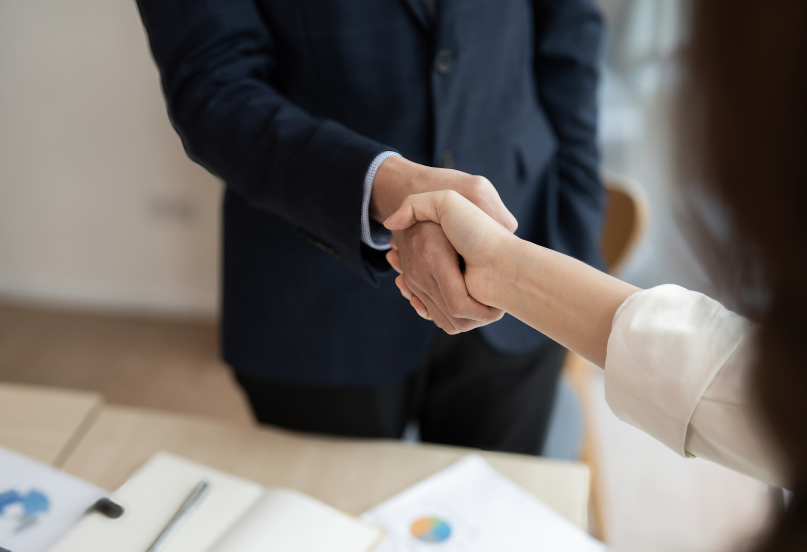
(559, 296)
(565, 299)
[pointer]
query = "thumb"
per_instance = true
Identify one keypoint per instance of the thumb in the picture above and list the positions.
(401, 219)
(416, 208)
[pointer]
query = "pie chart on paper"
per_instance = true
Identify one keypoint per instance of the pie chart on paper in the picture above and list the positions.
(431, 529)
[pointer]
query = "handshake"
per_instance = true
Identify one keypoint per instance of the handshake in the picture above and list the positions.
(437, 215)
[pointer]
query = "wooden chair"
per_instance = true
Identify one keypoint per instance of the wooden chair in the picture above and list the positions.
(625, 224)
(625, 221)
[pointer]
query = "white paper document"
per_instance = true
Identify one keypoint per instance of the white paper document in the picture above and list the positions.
(38, 503)
(470, 507)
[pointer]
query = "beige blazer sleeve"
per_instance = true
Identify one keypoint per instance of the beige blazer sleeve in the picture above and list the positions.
(679, 368)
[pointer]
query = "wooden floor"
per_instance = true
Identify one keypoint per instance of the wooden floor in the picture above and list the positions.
(139, 361)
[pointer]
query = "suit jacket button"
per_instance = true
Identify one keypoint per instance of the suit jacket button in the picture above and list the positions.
(444, 62)
(447, 160)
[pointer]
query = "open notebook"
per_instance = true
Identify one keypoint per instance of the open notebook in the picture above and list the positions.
(235, 515)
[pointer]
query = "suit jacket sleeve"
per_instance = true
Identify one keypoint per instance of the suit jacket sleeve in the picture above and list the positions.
(567, 54)
(216, 60)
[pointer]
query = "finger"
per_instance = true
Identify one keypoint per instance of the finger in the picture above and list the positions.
(400, 281)
(420, 208)
(430, 206)
(458, 303)
(419, 307)
(499, 212)
(436, 315)
(502, 215)
(394, 259)
(452, 325)
(432, 298)
(441, 286)
(424, 292)
(392, 243)
(484, 195)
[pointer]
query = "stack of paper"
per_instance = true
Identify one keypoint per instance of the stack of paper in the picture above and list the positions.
(470, 507)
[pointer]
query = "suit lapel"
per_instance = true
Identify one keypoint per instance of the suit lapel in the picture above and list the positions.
(420, 12)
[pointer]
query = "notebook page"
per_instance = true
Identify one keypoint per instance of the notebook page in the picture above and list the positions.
(150, 499)
(287, 521)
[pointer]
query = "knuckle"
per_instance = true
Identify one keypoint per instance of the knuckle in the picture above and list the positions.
(455, 308)
(423, 239)
(450, 196)
(446, 324)
(435, 260)
(479, 185)
(428, 249)
(419, 276)
(477, 182)
(464, 326)
(415, 279)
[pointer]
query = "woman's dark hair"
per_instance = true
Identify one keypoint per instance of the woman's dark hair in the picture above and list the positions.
(748, 63)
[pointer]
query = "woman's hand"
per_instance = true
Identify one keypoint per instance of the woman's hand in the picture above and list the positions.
(559, 296)
(477, 238)
(430, 270)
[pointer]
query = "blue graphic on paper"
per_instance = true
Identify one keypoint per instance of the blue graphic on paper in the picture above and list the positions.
(22, 510)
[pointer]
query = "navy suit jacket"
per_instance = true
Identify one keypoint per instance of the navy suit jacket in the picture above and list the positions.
(289, 101)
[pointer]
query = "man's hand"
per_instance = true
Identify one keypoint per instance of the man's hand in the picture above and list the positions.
(431, 280)
(430, 273)
(398, 178)
(482, 242)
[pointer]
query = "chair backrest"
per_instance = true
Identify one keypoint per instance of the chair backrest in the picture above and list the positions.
(625, 220)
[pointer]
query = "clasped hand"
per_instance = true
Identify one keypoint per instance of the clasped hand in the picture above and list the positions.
(424, 253)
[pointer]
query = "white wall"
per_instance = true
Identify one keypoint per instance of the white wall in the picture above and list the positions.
(99, 206)
(640, 116)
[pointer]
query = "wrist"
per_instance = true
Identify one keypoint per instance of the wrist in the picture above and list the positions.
(396, 179)
(507, 271)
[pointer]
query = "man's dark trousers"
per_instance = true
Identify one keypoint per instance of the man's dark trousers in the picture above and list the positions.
(466, 394)
(289, 103)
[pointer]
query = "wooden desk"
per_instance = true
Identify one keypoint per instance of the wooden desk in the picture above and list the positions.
(45, 423)
(351, 475)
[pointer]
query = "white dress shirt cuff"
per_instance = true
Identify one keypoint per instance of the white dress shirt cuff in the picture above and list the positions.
(373, 233)
(666, 346)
